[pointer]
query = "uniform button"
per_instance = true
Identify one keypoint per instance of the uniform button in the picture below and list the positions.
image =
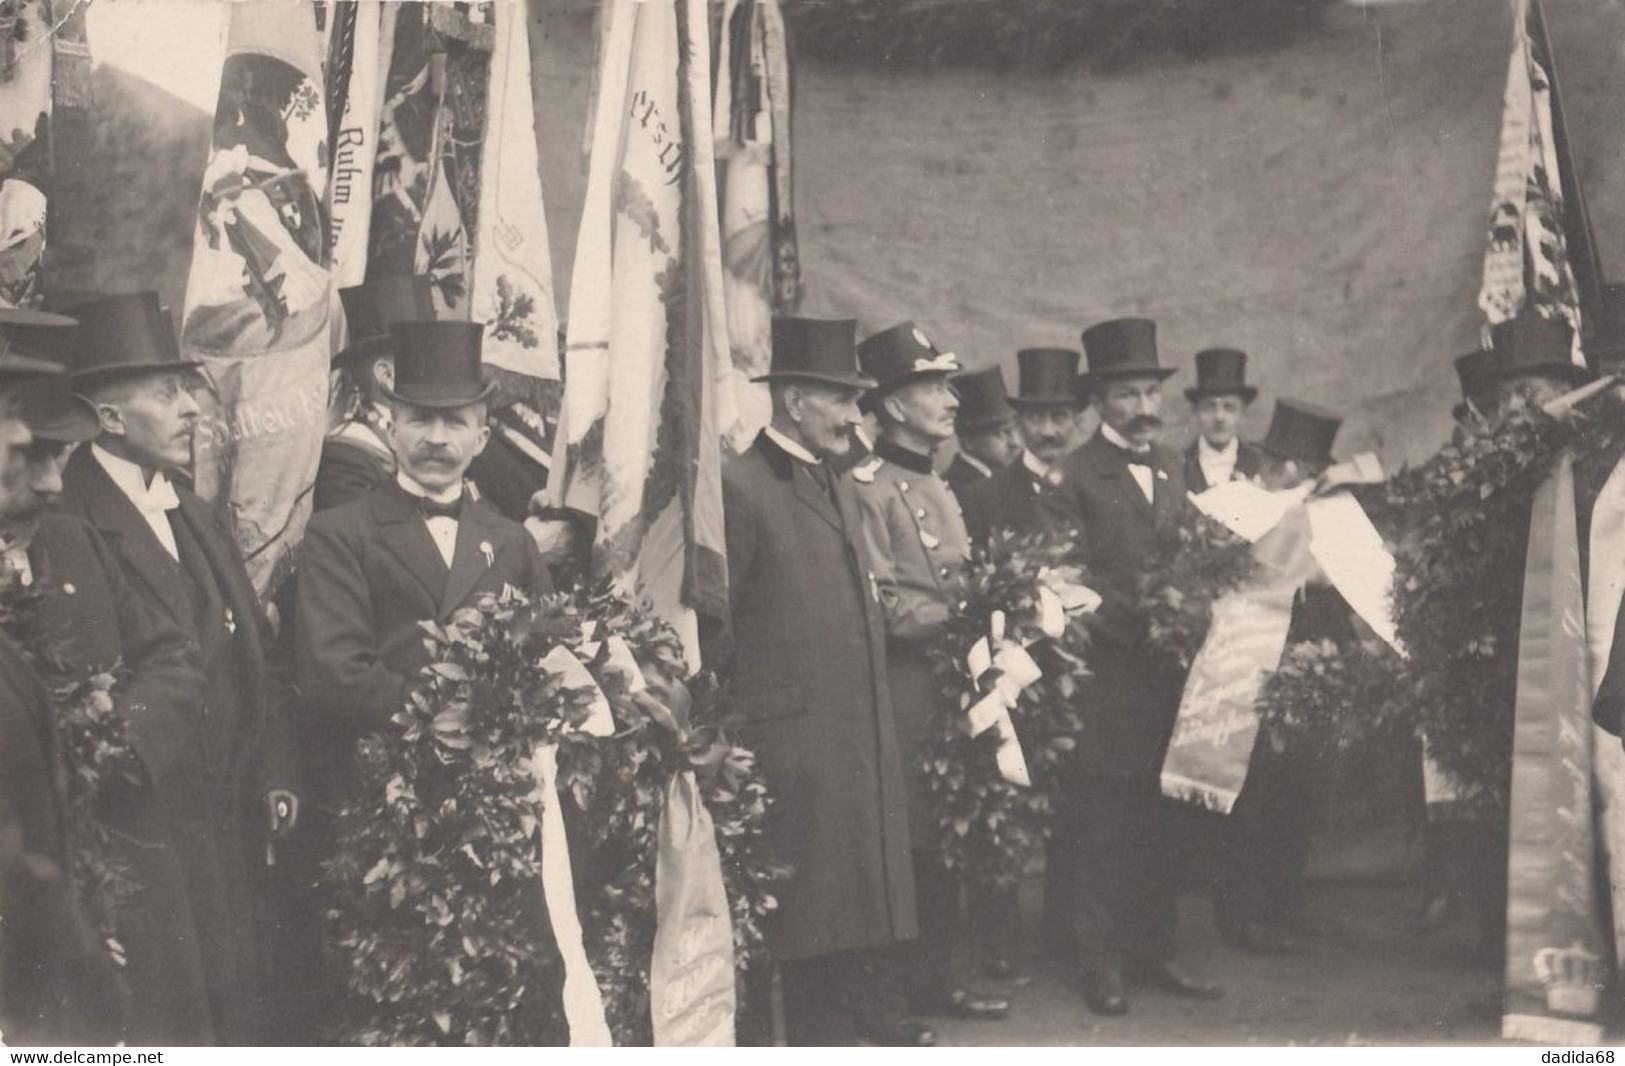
(943, 571)
(903, 486)
(920, 513)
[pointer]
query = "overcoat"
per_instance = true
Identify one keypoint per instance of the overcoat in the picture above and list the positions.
(963, 473)
(1016, 499)
(351, 466)
(1248, 458)
(95, 621)
(247, 747)
(916, 538)
(808, 671)
(1130, 701)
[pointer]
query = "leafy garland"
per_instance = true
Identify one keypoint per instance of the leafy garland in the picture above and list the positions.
(437, 869)
(1181, 579)
(96, 750)
(991, 829)
(1327, 697)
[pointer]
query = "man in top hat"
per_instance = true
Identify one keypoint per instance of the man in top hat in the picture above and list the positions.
(917, 544)
(1605, 348)
(1220, 399)
(806, 663)
(1129, 491)
(356, 456)
(179, 556)
(96, 622)
(1480, 390)
(1260, 882)
(1030, 495)
(989, 439)
(1534, 360)
(58, 984)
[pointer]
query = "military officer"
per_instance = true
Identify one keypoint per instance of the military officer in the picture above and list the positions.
(989, 439)
(917, 543)
(1220, 399)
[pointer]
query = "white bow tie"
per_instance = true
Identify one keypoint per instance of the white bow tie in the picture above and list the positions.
(161, 497)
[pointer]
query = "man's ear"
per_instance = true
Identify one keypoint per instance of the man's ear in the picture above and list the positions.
(111, 419)
(793, 401)
(483, 439)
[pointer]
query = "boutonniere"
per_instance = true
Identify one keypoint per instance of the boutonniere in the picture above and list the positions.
(231, 621)
(1162, 475)
(489, 553)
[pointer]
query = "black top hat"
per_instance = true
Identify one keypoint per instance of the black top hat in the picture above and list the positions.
(1608, 337)
(983, 403)
(1533, 344)
(437, 364)
(901, 354)
(816, 349)
(1302, 431)
(1475, 371)
(53, 412)
(29, 342)
(130, 333)
(372, 307)
(1046, 377)
(1122, 348)
(1221, 372)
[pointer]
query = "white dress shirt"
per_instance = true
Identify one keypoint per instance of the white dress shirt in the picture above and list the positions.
(1142, 474)
(1218, 466)
(443, 530)
(154, 499)
(1035, 466)
(791, 446)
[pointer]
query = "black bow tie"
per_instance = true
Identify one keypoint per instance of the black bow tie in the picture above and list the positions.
(1137, 458)
(432, 509)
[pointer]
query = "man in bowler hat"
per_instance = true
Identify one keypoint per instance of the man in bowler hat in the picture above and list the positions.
(1220, 399)
(989, 439)
(806, 664)
(917, 542)
(179, 555)
(1129, 491)
(1030, 495)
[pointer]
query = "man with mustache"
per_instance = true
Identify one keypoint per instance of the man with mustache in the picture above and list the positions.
(179, 556)
(1030, 495)
(1129, 491)
(918, 544)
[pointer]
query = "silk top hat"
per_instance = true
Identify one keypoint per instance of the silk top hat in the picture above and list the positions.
(130, 333)
(1046, 377)
(1607, 344)
(901, 354)
(1475, 371)
(983, 403)
(29, 342)
(1221, 372)
(1533, 344)
(816, 349)
(1302, 431)
(53, 412)
(437, 364)
(1122, 348)
(372, 307)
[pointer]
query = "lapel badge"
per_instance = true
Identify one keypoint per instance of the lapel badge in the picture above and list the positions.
(490, 555)
(231, 621)
(874, 587)
(68, 589)
(929, 540)
(1162, 475)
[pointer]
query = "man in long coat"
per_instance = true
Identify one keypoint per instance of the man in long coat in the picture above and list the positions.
(917, 543)
(180, 557)
(808, 670)
(1129, 491)
(1219, 400)
(94, 621)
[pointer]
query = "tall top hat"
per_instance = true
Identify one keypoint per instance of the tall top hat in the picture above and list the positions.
(1302, 432)
(1606, 348)
(1533, 344)
(1221, 372)
(902, 354)
(54, 412)
(372, 307)
(816, 349)
(1122, 348)
(130, 333)
(437, 364)
(1475, 371)
(1047, 377)
(28, 342)
(983, 403)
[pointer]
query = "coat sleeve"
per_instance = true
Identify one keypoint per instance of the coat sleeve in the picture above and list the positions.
(1608, 710)
(336, 658)
(910, 614)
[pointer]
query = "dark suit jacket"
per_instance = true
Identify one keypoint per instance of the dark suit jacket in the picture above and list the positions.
(962, 474)
(369, 573)
(348, 471)
(808, 670)
(1248, 458)
(1016, 500)
(1131, 703)
(1608, 709)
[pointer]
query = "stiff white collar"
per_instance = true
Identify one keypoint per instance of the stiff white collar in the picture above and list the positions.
(1207, 452)
(1121, 441)
(412, 488)
(976, 464)
(154, 498)
(793, 447)
(1035, 466)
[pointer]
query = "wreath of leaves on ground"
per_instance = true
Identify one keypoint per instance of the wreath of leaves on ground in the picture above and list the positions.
(990, 829)
(435, 881)
(96, 750)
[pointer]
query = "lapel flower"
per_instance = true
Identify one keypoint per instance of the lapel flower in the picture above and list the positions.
(231, 621)
(489, 553)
